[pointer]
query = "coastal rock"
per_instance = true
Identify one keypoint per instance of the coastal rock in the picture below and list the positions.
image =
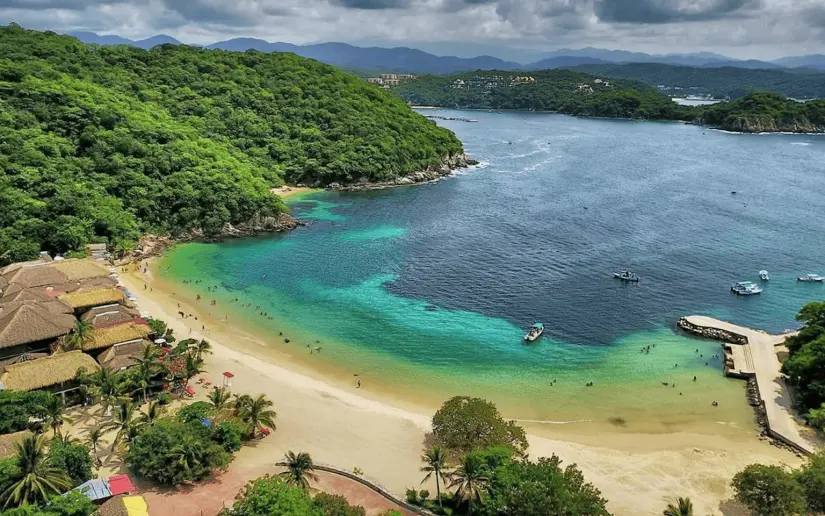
(433, 173)
(769, 124)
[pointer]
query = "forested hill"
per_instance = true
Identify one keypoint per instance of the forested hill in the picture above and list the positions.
(723, 82)
(563, 91)
(105, 143)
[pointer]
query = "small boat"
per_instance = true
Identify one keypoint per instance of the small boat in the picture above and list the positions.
(535, 332)
(764, 276)
(811, 278)
(626, 276)
(746, 288)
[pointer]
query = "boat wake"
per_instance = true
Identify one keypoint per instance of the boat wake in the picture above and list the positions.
(804, 144)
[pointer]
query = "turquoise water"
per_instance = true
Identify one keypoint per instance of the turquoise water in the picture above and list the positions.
(430, 289)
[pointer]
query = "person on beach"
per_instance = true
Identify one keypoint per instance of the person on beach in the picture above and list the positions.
(359, 385)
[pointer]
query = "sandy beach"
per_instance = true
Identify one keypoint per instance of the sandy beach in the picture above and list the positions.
(285, 192)
(346, 427)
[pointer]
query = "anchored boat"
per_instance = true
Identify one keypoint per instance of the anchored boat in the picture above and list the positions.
(764, 276)
(811, 278)
(746, 288)
(626, 276)
(535, 332)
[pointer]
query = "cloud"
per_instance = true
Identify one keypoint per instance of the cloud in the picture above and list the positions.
(373, 4)
(669, 11)
(742, 28)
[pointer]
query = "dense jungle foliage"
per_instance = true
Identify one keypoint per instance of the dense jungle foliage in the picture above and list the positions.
(726, 82)
(101, 144)
(558, 90)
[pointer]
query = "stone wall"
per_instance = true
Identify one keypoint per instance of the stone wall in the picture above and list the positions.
(711, 333)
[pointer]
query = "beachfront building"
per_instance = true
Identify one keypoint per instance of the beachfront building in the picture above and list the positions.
(134, 505)
(28, 326)
(109, 315)
(123, 356)
(101, 490)
(82, 301)
(56, 373)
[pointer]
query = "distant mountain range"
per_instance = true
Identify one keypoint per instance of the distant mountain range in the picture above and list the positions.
(410, 60)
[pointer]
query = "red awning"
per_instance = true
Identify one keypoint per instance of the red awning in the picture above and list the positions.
(121, 484)
(228, 374)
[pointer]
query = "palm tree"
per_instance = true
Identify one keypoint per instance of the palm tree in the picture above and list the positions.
(147, 367)
(192, 366)
(35, 479)
(471, 479)
(239, 402)
(95, 436)
(80, 335)
(201, 349)
(299, 470)
(65, 439)
(255, 412)
(122, 422)
(219, 397)
(683, 507)
(106, 386)
(54, 417)
(435, 460)
(153, 412)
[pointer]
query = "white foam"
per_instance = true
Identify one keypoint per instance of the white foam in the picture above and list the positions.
(805, 144)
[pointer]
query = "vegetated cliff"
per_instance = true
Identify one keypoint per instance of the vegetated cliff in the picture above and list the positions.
(104, 144)
(766, 112)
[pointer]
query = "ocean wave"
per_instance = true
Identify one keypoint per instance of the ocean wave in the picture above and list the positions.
(805, 144)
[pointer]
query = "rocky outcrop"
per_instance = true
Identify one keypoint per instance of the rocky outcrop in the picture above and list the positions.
(430, 174)
(711, 333)
(153, 245)
(769, 124)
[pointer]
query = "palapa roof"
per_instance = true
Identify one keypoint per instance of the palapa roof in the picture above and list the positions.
(45, 372)
(91, 298)
(32, 322)
(99, 282)
(52, 305)
(80, 269)
(3, 283)
(123, 356)
(39, 275)
(121, 505)
(21, 294)
(8, 441)
(111, 335)
(109, 315)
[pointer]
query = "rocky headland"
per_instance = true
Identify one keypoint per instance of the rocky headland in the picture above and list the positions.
(433, 173)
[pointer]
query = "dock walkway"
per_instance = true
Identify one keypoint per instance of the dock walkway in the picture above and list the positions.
(755, 356)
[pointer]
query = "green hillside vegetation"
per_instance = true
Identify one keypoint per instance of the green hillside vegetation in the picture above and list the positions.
(726, 82)
(102, 144)
(558, 90)
(761, 112)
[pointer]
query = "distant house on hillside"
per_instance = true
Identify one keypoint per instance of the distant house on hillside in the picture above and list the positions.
(57, 373)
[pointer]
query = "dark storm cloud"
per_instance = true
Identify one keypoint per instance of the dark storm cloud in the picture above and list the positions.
(42, 5)
(372, 4)
(224, 12)
(670, 11)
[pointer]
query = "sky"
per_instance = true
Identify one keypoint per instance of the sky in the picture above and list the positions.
(759, 29)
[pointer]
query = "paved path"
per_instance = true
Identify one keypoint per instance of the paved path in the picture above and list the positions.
(772, 388)
(209, 497)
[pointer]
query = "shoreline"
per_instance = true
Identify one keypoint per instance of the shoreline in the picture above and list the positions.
(383, 436)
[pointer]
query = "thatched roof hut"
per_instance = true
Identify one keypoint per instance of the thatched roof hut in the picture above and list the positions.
(39, 275)
(8, 442)
(81, 269)
(123, 355)
(109, 336)
(32, 322)
(109, 315)
(18, 293)
(85, 299)
(46, 372)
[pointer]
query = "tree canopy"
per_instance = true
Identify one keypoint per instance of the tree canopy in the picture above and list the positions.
(100, 144)
(768, 491)
(805, 365)
(463, 425)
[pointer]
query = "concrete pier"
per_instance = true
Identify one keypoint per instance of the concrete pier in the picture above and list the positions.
(752, 353)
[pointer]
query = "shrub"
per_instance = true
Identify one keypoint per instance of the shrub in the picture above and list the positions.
(195, 412)
(268, 496)
(165, 398)
(74, 459)
(412, 496)
(229, 435)
(18, 408)
(173, 452)
(423, 494)
(336, 505)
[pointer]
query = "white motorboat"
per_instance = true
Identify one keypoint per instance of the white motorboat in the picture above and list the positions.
(764, 276)
(811, 278)
(746, 288)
